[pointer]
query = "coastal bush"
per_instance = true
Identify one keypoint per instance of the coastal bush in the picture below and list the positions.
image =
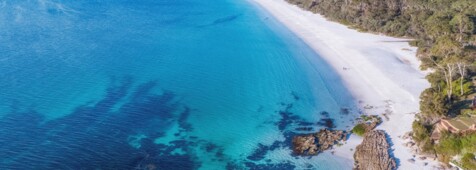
(468, 112)
(468, 142)
(467, 88)
(359, 129)
(427, 146)
(415, 43)
(421, 135)
(449, 145)
(420, 132)
(433, 104)
(468, 161)
(452, 144)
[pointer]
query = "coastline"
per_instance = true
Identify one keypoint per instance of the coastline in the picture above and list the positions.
(381, 72)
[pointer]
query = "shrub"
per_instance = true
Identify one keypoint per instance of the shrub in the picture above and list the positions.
(416, 43)
(468, 112)
(468, 143)
(420, 133)
(426, 145)
(359, 129)
(468, 161)
(466, 87)
(449, 145)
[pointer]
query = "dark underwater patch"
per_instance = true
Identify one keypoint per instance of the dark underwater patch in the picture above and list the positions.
(295, 96)
(225, 19)
(327, 122)
(344, 111)
(182, 120)
(256, 166)
(304, 129)
(98, 136)
(287, 118)
(277, 166)
(259, 153)
(325, 114)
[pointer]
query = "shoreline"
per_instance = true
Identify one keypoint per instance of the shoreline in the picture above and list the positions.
(381, 72)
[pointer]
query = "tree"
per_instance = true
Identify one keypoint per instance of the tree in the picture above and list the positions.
(464, 6)
(433, 104)
(437, 25)
(448, 68)
(463, 25)
(462, 64)
(444, 54)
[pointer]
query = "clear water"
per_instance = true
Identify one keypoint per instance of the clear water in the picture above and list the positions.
(170, 84)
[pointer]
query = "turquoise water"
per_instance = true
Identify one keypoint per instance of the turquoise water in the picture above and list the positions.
(171, 84)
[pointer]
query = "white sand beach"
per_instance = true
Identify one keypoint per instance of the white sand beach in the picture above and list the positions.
(381, 72)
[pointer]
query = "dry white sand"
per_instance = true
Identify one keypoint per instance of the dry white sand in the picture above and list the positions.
(380, 71)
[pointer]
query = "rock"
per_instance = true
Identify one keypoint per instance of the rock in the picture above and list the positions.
(369, 121)
(407, 135)
(312, 144)
(411, 160)
(430, 156)
(305, 145)
(373, 153)
(422, 158)
(328, 138)
(409, 144)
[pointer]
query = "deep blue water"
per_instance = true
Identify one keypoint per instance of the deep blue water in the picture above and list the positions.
(165, 84)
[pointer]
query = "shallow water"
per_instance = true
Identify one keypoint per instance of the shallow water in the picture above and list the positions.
(171, 84)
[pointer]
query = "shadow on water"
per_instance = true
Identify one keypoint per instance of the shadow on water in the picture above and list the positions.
(390, 150)
(97, 136)
(222, 20)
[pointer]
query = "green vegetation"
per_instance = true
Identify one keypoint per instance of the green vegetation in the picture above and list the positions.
(452, 144)
(468, 161)
(421, 135)
(366, 123)
(365, 117)
(449, 145)
(445, 33)
(359, 129)
(372, 118)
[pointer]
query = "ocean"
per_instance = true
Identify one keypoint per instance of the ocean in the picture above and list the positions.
(160, 84)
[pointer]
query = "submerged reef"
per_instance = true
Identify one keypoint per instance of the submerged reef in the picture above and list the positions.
(100, 134)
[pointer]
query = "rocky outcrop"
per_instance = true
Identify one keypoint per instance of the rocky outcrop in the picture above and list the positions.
(327, 138)
(373, 153)
(371, 121)
(313, 144)
(305, 145)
